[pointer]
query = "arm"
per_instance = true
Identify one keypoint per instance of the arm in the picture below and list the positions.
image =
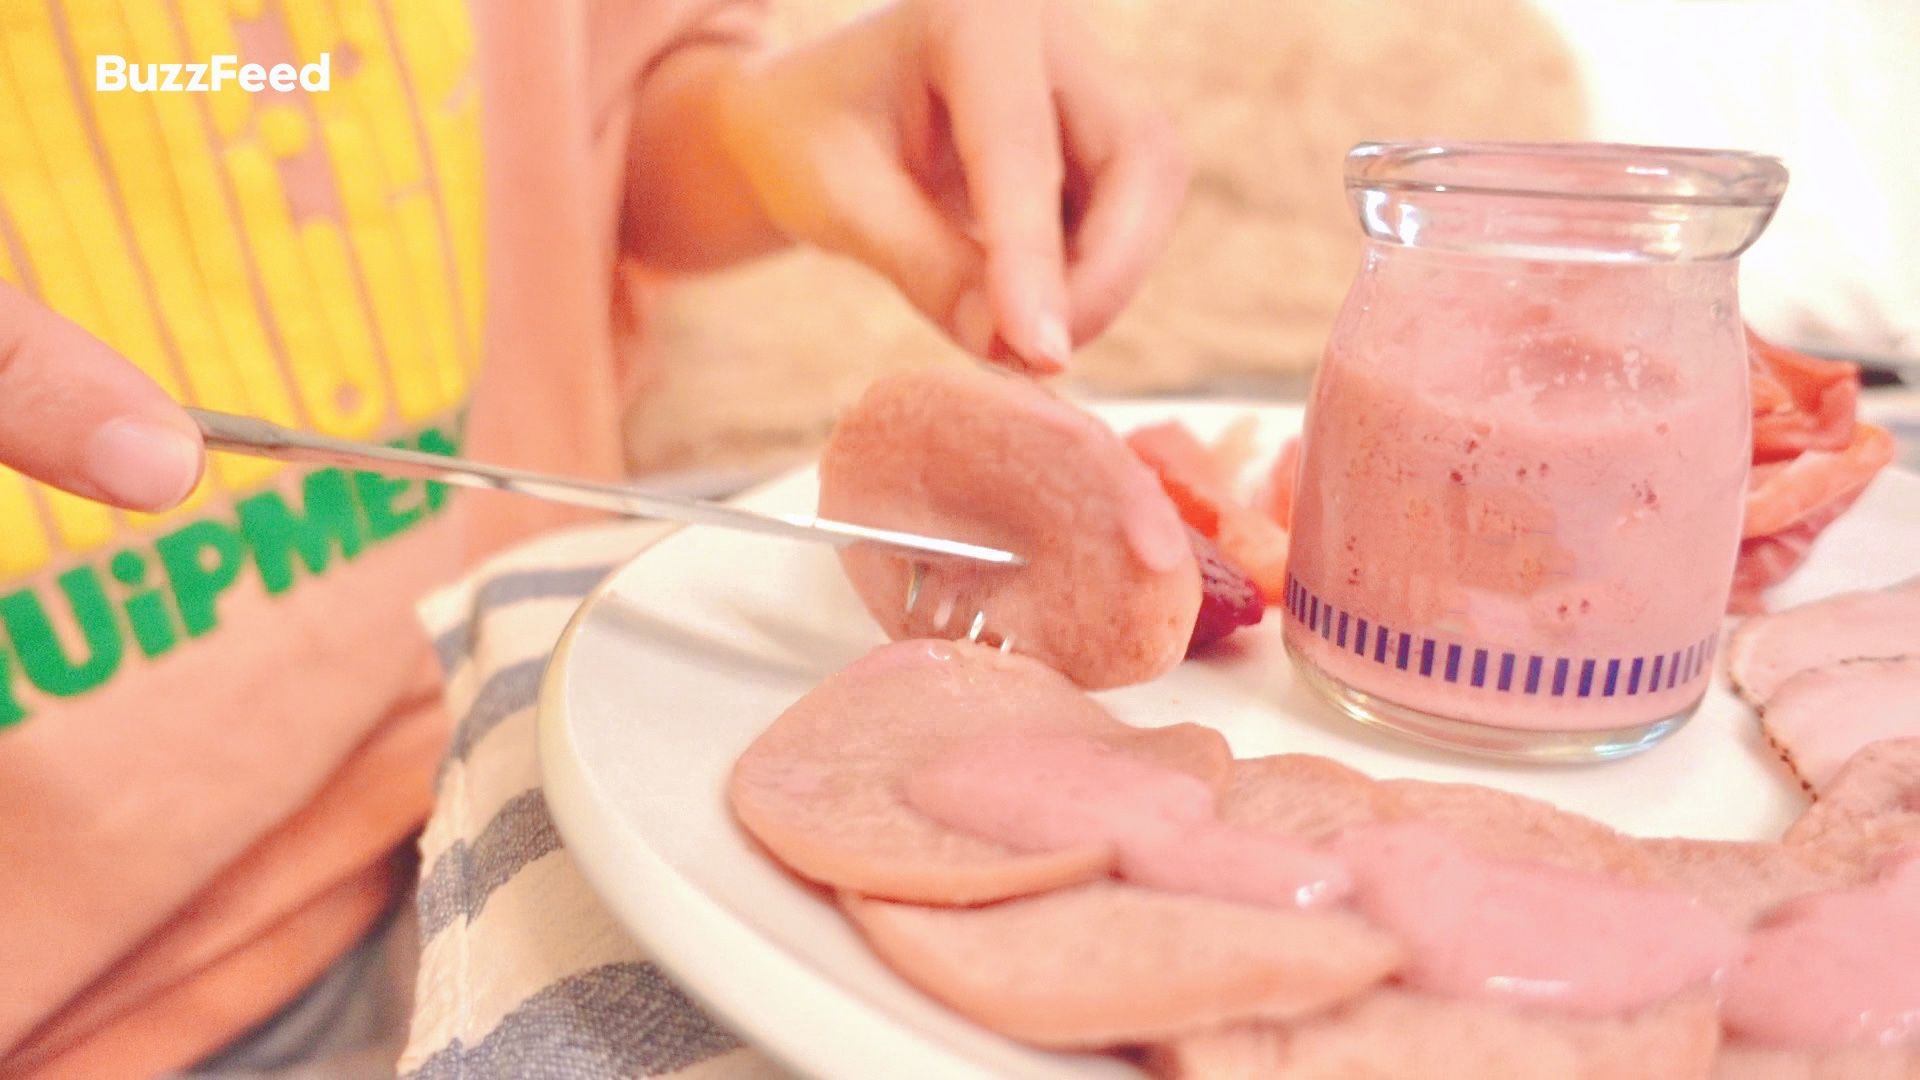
(689, 204)
(982, 155)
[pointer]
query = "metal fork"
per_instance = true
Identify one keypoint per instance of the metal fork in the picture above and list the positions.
(943, 615)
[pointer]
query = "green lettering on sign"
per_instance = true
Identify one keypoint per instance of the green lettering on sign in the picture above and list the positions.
(198, 582)
(340, 511)
(276, 533)
(10, 711)
(147, 611)
(43, 657)
(376, 494)
(435, 441)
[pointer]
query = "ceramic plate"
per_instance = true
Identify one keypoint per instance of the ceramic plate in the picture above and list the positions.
(685, 654)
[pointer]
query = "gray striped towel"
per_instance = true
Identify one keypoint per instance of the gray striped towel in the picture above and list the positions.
(523, 974)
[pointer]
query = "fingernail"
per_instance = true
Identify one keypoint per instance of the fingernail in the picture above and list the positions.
(141, 464)
(1052, 345)
(973, 321)
(1160, 542)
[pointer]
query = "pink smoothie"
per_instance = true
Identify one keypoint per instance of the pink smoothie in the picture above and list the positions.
(1229, 862)
(1827, 969)
(1472, 926)
(1834, 968)
(1044, 793)
(1486, 928)
(1543, 539)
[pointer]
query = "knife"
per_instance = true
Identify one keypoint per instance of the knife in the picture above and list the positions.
(260, 438)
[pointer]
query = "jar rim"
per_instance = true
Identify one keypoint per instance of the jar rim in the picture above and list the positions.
(1604, 172)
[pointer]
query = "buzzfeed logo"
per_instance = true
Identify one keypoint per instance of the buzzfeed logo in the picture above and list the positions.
(113, 75)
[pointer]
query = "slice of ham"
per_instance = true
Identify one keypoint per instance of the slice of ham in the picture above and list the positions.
(1819, 719)
(1315, 799)
(1110, 590)
(1502, 825)
(1577, 871)
(1394, 1034)
(1834, 969)
(1744, 879)
(1189, 748)
(1304, 796)
(1052, 793)
(1529, 933)
(1870, 811)
(1765, 561)
(1231, 862)
(822, 787)
(1108, 964)
(1740, 1060)
(1800, 402)
(1782, 494)
(1768, 650)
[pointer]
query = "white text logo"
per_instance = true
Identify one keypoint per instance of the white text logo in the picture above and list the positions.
(112, 74)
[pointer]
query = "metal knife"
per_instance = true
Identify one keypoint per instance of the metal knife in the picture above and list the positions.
(260, 438)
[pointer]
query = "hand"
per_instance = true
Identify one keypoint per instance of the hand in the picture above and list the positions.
(77, 415)
(982, 154)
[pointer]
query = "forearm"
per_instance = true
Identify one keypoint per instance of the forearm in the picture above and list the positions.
(689, 205)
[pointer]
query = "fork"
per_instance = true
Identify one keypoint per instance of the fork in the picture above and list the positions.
(943, 615)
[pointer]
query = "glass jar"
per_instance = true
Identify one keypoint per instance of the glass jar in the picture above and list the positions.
(1526, 452)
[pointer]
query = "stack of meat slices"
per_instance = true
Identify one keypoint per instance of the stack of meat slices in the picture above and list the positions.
(1003, 844)
(1812, 458)
(1832, 677)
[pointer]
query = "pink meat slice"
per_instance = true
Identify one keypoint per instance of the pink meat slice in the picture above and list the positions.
(822, 788)
(1303, 796)
(1743, 879)
(1767, 650)
(1053, 792)
(1741, 1060)
(1232, 862)
(1820, 718)
(1870, 811)
(1108, 964)
(1502, 825)
(1835, 969)
(1049, 792)
(1187, 748)
(1393, 1034)
(1314, 799)
(1110, 591)
(1529, 932)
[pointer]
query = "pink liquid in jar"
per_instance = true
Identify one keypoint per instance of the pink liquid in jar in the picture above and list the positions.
(1525, 456)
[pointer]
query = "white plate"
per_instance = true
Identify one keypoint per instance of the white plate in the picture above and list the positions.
(675, 664)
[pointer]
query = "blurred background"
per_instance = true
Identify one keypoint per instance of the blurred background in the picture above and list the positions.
(753, 365)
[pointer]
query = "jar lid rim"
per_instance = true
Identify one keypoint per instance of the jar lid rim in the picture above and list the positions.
(1610, 172)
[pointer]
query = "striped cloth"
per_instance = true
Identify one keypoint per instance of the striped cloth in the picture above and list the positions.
(523, 974)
